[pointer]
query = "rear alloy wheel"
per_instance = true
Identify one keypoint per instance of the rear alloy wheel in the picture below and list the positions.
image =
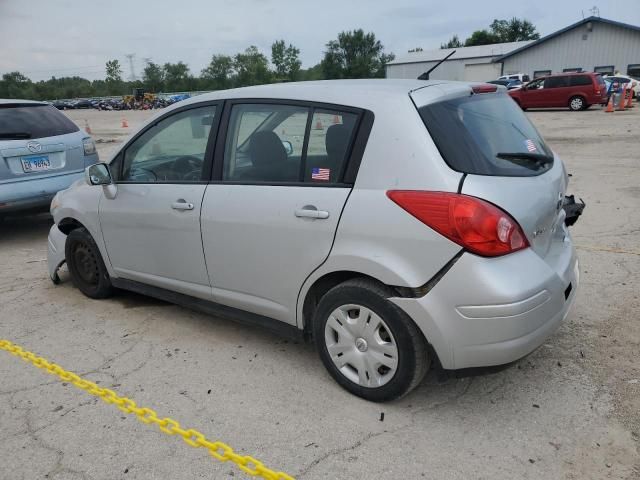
(577, 103)
(368, 344)
(88, 272)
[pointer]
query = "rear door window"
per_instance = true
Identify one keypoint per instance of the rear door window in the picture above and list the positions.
(25, 121)
(330, 138)
(580, 80)
(265, 143)
(277, 143)
(471, 131)
(556, 82)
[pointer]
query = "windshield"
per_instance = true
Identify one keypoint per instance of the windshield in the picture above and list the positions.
(22, 121)
(483, 134)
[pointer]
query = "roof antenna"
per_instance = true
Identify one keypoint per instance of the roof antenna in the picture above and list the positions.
(425, 75)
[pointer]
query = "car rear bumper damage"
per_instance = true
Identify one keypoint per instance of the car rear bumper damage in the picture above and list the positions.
(493, 311)
(34, 193)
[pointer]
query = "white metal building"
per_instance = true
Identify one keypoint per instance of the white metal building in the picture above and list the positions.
(593, 44)
(468, 63)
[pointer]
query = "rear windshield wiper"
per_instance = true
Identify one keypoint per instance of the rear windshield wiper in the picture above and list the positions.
(538, 159)
(14, 135)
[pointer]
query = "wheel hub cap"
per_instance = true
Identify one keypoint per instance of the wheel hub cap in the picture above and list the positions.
(361, 345)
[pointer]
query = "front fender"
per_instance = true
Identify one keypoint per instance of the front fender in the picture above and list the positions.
(81, 203)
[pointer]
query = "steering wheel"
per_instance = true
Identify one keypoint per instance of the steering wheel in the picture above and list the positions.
(189, 166)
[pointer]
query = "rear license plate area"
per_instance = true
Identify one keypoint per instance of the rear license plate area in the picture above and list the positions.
(35, 163)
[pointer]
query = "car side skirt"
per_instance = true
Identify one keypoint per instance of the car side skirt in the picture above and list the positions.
(212, 308)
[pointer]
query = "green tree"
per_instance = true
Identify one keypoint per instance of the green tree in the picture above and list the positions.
(177, 77)
(153, 77)
(114, 71)
(313, 73)
(500, 31)
(481, 37)
(252, 67)
(218, 75)
(514, 30)
(15, 85)
(355, 54)
(115, 85)
(454, 42)
(285, 60)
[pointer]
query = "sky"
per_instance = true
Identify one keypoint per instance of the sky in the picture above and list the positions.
(44, 38)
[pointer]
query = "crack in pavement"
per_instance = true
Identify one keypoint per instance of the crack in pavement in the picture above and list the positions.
(371, 435)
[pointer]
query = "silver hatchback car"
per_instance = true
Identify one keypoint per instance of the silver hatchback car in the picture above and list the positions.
(41, 152)
(395, 223)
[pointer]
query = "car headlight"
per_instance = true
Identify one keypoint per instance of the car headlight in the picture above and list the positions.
(89, 146)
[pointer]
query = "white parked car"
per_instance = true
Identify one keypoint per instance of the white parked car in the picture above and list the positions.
(523, 77)
(394, 222)
(626, 81)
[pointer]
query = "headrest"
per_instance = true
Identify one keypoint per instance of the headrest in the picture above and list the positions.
(265, 148)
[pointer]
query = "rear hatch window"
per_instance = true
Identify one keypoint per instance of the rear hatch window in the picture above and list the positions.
(26, 121)
(486, 134)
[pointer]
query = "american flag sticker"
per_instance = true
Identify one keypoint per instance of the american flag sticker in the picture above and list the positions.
(320, 173)
(531, 147)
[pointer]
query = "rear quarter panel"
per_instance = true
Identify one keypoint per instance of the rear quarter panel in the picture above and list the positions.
(376, 237)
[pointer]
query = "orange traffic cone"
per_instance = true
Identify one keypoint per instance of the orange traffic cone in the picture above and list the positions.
(623, 99)
(87, 128)
(610, 104)
(125, 124)
(336, 119)
(630, 99)
(319, 125)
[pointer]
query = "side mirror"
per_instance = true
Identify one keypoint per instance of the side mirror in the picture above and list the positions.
(288, 147)
(98, 174)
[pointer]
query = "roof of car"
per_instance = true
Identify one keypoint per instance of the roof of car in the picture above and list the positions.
(7, 101)
(361, 93)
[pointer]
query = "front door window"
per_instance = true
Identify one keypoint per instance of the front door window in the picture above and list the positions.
(171, 151)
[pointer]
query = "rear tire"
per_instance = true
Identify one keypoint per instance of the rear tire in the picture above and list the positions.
(88, 272)
(577, 103)
(370, 346)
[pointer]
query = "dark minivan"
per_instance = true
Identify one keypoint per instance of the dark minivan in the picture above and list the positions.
(578, 91)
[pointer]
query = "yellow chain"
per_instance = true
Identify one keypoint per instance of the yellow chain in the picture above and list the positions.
(194, 438)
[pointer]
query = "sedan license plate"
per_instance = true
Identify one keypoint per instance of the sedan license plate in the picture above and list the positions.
(35, 164)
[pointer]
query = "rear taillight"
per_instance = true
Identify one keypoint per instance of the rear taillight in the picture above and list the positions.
(476, 225)
(89, 146)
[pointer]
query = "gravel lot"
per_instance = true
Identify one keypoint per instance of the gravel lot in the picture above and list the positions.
(568, 411)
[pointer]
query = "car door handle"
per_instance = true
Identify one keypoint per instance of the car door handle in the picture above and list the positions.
(309, 211)
(182, 205)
